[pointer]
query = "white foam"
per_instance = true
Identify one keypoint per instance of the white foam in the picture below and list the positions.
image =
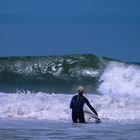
(84, 72)
(56, 106)
(38, 106)
(120, 79)
(90, 72)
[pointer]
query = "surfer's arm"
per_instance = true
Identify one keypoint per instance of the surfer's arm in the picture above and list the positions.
(89, 105)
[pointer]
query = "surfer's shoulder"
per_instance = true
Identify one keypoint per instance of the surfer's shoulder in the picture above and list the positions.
(75, 96)
(85, 99)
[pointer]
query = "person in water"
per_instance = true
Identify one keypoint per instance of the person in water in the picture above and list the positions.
(77, 104)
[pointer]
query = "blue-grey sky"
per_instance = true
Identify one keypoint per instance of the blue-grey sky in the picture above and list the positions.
(49, 27)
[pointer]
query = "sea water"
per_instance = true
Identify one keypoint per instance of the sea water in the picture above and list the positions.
(46, 116)
(35, 94)
(11, 129)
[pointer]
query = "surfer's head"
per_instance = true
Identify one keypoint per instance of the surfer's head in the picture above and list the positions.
(80, 90)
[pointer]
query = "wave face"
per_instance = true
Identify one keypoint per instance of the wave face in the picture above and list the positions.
(54, 73)
(64, 73)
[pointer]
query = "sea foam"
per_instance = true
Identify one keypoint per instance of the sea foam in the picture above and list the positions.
(120, 79)
(56, 106)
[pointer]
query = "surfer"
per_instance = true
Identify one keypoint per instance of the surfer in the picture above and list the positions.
(77, 104)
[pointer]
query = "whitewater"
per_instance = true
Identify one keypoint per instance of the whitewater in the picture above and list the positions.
(56, 106)
(37, 91)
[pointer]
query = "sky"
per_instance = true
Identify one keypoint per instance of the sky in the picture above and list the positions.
(108, 28)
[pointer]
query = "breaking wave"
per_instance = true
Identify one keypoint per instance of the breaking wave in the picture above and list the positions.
(113, 87)
(53, 74)
(120, 79)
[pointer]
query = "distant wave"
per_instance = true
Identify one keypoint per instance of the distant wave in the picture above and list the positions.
(64, 73)
(50, 72)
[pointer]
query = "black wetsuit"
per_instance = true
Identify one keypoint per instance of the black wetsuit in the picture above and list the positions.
(76, 105)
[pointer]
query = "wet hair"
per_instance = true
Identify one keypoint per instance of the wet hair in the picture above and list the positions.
(80, 90)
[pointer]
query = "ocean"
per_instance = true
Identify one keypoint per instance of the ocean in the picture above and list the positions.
(35, 94)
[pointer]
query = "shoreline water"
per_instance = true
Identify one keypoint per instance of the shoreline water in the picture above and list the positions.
(11, 129)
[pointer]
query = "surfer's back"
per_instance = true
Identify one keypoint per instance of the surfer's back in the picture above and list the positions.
(77, 104)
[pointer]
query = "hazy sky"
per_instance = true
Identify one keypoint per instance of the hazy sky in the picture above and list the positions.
(50, 27)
